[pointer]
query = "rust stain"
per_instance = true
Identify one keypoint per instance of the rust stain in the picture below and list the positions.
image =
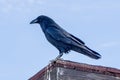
(78, 66)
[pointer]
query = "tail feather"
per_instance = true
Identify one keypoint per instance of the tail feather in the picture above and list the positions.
(87, 51)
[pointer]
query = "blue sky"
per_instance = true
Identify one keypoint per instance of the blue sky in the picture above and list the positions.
(24, 48)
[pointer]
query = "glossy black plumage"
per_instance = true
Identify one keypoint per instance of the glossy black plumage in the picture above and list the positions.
(61, 39)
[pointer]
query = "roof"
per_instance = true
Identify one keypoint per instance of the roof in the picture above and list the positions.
(78, 66)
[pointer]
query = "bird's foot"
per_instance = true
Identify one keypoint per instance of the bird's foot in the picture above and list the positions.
(57, 58)
(54, 60)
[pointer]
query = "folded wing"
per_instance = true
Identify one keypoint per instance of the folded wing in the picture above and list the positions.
(77, 44)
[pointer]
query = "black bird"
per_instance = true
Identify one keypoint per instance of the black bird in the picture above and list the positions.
(61, 39)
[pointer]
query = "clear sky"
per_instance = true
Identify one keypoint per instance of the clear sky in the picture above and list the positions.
(24, 49)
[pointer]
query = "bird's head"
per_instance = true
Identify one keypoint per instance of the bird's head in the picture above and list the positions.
(41, 19)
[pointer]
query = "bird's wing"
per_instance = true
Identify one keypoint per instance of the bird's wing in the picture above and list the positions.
(63, 36)
(76, 39)
(78, 45)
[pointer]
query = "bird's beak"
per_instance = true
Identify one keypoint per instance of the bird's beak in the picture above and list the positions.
(34, 21)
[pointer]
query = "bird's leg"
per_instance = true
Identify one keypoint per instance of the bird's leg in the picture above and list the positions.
(59, 56)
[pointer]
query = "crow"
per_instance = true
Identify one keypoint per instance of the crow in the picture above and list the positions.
(61, 39)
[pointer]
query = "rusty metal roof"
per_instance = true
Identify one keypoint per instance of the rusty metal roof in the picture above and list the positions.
(78, 66)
